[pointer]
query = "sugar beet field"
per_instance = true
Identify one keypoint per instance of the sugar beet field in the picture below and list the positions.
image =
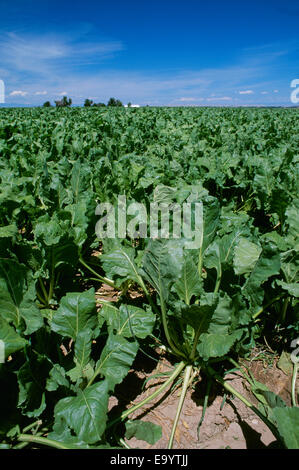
(106, 322)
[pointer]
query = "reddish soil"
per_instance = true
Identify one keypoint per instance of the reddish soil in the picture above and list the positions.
(227, 424)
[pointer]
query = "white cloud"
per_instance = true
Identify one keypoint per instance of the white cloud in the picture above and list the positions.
(51, 53)
(246, 92)
(187, 98)
(264, 92)
(276, 91)
(220, 98)
(63, 93)
(18, 93)
(41, 93)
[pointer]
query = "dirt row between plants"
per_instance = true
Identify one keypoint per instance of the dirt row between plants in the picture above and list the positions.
(227, 424)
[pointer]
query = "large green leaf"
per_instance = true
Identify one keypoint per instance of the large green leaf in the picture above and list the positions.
(246, 255)
(79, 221)
(86, 413)
(144, 431)
(116, 359)
(62, 433)
(8, 231)
(189, 283)
(209, 215)
(17, 297)
(119, 264)
(219, 338)
(32, 378)
(128, 320)
(219, 254)
(199, 316)
(216, 345)
(291, 287)
(287, 420)
(12, 341)
(292, 220)
(290, 265)
(266, 396)
(161, 264)
(76, 313)
(267, 265)
(80, 181)
(83, 347)
(50, 230)
(222, 316)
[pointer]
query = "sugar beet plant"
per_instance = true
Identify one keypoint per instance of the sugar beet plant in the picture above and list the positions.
(65, 356)
(209, 300)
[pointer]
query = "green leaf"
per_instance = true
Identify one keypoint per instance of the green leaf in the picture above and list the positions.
(12, 341)
(51, 230)
(56, 378)
(76, 313)
(8, 231)
(144, 431)
(227, 244)
(161, 264)
(246, 255)
(79, 221)
(189, 283)
(32, 378)
(267, 265)
(164, 193)
(218, 339)
(222, 316)
(290, 265)
(271, 399)
(116, 359)
(292, 219)
(86, 413)
(119, 264)
(216, 345)
(292, 288)
(83, 347)
(128, 320)
(62, 433)
(207, 214)
(77, 373)
(80, 181)
(287, 420)
(199, 316)
(17, 297)
(285, 363)
(259, 389)
(219, 254)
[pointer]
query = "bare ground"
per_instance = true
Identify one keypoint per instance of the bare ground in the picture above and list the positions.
(227, 423)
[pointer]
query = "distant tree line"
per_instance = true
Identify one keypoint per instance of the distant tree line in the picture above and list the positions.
(111, 102)
(59, 103)
(65, 102)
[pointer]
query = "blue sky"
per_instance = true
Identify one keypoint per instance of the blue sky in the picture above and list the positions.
(156, 52)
